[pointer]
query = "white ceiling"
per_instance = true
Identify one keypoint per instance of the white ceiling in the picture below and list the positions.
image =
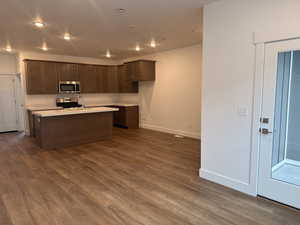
(97, 25)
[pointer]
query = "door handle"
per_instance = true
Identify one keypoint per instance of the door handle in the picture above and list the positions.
(264, 131)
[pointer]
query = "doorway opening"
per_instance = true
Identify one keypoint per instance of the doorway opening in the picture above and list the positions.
(9, 119)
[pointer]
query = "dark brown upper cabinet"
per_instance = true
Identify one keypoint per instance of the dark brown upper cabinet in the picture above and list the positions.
(68, 72)
(111, 81)
(141, 70)
(89, 80)
(101, 74)
(50, 78)
(41, 77)
(126, 85)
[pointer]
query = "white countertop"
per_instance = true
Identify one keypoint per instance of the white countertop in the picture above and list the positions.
(97, 105)
(73, 111)
(115, 104)
(41, 108)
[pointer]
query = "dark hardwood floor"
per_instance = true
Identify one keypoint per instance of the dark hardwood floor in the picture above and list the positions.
(141, 177)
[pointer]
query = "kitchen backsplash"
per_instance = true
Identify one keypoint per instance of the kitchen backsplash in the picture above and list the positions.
(49, 100)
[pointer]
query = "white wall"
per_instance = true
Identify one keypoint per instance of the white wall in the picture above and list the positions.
(172, 103)
(228, 78)
(8, 64)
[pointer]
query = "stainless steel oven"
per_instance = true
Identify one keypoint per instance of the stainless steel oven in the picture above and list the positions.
(69, 87)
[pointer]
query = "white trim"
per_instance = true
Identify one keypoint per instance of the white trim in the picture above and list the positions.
(286, 161)
(278, 165)
(288, 105)
(170, 131)
(256, 115)
(9, 74)
(292, 162)
(227, 181)
(265, 37)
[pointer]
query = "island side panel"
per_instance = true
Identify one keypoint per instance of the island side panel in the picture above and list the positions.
(71, 130)
(31, 123)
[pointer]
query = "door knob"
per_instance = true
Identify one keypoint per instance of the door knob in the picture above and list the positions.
(264, 131)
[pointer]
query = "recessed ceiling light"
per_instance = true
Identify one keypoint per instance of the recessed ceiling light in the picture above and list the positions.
(44, 47)
(39, 24)
(121, 10)
(153, 44)
(67, 37)
(108, 55)
(138, 48)
(8, 48)
(197, 30)
(132, 26)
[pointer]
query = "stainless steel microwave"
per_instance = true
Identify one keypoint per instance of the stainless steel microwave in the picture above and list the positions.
(69, 87)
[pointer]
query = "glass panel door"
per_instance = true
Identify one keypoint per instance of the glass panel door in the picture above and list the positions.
(279, 161)
(286, 142)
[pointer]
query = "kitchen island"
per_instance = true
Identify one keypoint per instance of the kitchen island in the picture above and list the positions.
(71, 127)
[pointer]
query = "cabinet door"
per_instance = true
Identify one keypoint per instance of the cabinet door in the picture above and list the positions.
(88, 79)
(142, 70)
(131, 69)
(120, 116)
(68, 72)
(125, 82)
(41, 77)
(34, 78)
(50, 78)
(101, 74)
(146, 71)
(127, 117)
(111, 80)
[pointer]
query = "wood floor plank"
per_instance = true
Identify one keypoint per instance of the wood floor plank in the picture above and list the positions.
(140, 177)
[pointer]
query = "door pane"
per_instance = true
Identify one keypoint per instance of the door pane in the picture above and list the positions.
(286, 144)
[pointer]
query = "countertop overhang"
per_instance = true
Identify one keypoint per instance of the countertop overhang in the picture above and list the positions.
(41, 108)
(73, 111)
(45, 107)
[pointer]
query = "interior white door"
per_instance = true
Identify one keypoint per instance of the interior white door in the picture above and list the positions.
(8, 110)
(279, 166)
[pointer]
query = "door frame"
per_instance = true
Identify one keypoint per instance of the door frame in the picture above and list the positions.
(258, 84)
(18, 96)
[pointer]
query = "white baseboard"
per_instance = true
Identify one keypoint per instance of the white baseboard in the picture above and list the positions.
(27, 132)
(170, 131)
(227, 181)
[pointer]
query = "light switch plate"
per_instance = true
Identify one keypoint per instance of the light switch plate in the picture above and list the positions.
(242, 111)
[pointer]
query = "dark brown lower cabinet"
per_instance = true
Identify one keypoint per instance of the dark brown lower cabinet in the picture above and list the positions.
(31, 119)
(31, 123)
(127, 116)
(58, 131)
